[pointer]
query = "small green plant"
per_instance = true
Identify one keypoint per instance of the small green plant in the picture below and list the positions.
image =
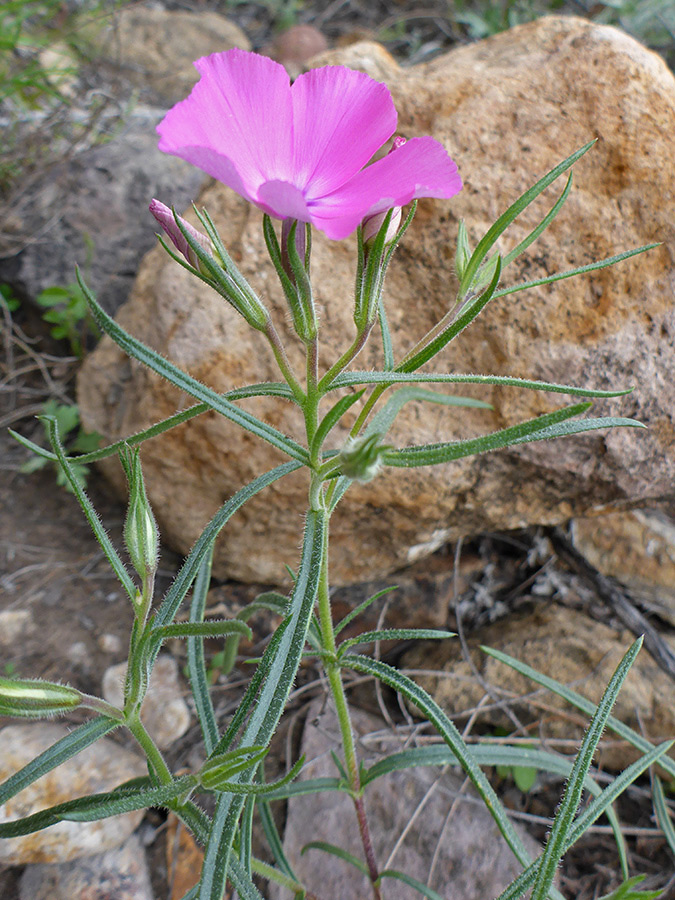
(77, 440)
(67, 312)
(8, 298)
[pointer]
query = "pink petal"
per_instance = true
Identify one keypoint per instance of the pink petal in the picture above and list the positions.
(236, 124)
(283, 200)
(340, 119)
(420, 168)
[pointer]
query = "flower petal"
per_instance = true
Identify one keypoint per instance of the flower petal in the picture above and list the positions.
(340, 118)
(420, 168)
(236, 124)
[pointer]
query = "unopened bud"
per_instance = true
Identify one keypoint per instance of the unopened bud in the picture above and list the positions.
(169, 223)
(36, 699)
(141, 534)
(360, 458)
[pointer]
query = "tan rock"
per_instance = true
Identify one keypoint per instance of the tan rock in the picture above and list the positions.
(566, 645)
(638, 549)
(156, 47)
(101, 767)
(507, 109)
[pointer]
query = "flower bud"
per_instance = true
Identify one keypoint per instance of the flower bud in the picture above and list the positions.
(169, 222)
(36, 699)
(141, 535)
(360, 458)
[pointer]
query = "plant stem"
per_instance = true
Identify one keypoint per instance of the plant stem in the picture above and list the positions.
(344, 721)
(154, 757)
(283, 362)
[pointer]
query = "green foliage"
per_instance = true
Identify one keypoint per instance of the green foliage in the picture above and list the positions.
(67, 312)
(626, 891)
(235, 753)
(8, 298)
(78, 440)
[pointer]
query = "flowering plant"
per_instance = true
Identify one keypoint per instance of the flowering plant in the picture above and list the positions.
(302, 154)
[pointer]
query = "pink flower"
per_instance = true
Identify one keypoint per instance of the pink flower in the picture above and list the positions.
(298, 151)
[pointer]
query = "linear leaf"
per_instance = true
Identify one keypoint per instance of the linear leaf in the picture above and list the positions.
(394, 634)
(592, 812)
(352, 614)
(339, 852)
(586, 706)
(191, 386)
(557, 839)
(347, 379)
(448, 731)
(663, 815)
(199, 682)
(384, 418)
(499, 227)
(183, 580)
(209, 628)
(64, 749)
(433, 454)
(542, 226)
(88, 508)
(411, 882)
(570, 273)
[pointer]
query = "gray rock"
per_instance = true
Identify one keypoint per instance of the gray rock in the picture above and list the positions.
(118, 874)
(100, 767)
(92, 212)
(164, 713)
(473, 862)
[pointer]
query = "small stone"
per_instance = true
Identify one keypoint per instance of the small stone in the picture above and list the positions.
(164, 712)
(78, 653)
(110, 643)
(118, 874)
(473, 861)
(14, 624)
(100, 767)
(296, 46)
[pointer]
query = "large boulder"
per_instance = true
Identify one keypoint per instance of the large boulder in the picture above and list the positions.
(507, 109)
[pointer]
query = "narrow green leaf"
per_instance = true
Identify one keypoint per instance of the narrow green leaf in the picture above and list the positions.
(339, 852)
(362, 607)
(411, 882)
(309, 786)
(433, 454)
(448, 731)
(384, 418)
(557, 839)
(87, 507)
(663, 814)
(626, 891)
(273, 838)
(394, 634)
(499, 227)
(64, 749)
(570, 273)
(591, 813)
(191, 386)
(255, 788)
(209, 628)
(331, 419)
(385, 333)
(97, 806)
(586, 706)
(183, 580)
(463, 319)
(542, 226)
(348, 379)
(282, 669)
(199, 682)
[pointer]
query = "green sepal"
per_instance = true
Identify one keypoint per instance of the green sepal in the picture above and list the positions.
(141, 534)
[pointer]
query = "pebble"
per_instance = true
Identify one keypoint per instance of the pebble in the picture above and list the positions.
(14, 623)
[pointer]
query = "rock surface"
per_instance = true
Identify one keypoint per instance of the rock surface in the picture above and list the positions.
(164, 712)
(638, 549)
(566, 645)
(473, 860)
(507, 109)
(118, 874)
(100, 767)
